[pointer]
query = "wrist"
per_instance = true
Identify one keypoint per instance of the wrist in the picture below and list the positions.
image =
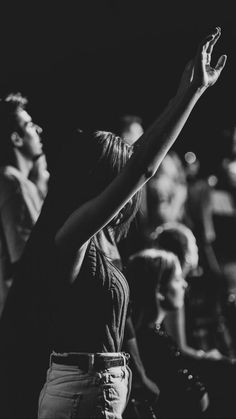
(196, 89)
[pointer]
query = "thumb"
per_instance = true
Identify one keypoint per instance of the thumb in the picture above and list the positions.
(221, 63)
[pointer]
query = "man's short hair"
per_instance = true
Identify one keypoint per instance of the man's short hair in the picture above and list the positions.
(10, 105)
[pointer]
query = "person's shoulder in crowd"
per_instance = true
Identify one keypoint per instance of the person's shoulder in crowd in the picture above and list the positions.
(10, 179)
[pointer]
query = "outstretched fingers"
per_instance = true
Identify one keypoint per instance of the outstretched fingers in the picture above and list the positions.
(208, 44)
(203, 71)
(214, 38)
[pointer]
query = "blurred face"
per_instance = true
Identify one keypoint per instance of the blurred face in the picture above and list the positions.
(135, 131)
(31, 145)
(175, 290)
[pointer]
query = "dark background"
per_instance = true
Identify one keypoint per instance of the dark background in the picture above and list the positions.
(88, 62)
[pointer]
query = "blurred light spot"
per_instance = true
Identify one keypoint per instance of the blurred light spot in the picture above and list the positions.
(190, 157)
(212, 180)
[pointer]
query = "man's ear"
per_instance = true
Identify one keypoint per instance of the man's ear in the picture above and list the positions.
(16, 139)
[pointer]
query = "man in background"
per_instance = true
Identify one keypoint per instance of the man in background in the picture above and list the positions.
(23, 184)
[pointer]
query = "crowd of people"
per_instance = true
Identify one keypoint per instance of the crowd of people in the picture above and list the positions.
(115, 298)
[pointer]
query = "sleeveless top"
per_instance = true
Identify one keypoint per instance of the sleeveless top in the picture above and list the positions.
(90, 314)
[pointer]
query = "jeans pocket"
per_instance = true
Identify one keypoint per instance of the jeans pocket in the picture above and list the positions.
(115, 397)
(114, 375)
(59, 404)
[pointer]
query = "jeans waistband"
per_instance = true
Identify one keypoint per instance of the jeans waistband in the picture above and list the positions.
(88, 361)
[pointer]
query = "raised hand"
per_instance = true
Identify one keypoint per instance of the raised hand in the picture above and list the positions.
(203, 73)
(199, 72)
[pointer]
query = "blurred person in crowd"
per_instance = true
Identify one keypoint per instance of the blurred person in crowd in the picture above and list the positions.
(201, 208)
(226, 173)
(167, 192)
(163, 196)
(224, 213)
(207, 364)
(80, 307)
(211, 214)
(218, 360)
(179, 239)
(23, 183)
(199, 214)
(131, 128)
(163, 199)
(157, 288)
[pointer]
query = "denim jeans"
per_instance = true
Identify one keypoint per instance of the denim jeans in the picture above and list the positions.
(71, 393)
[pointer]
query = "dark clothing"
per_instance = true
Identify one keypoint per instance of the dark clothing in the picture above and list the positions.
(92, 313)
(180, 390)
(219, 377)
(26, 325)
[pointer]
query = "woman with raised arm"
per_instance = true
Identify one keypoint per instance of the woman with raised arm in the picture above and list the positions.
(89, 319)
(95, 187)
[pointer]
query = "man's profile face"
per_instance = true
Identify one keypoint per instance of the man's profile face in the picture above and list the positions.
(30, 134)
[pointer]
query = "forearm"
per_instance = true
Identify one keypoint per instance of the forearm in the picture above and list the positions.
(149, 150)
(148, 385)
(197, 77)
(148, 154)
(188, 351)
(132, 348)
(152, 147)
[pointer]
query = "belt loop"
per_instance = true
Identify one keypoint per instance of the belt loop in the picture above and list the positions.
(126, 357)
(91, 361)
(50, 359)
